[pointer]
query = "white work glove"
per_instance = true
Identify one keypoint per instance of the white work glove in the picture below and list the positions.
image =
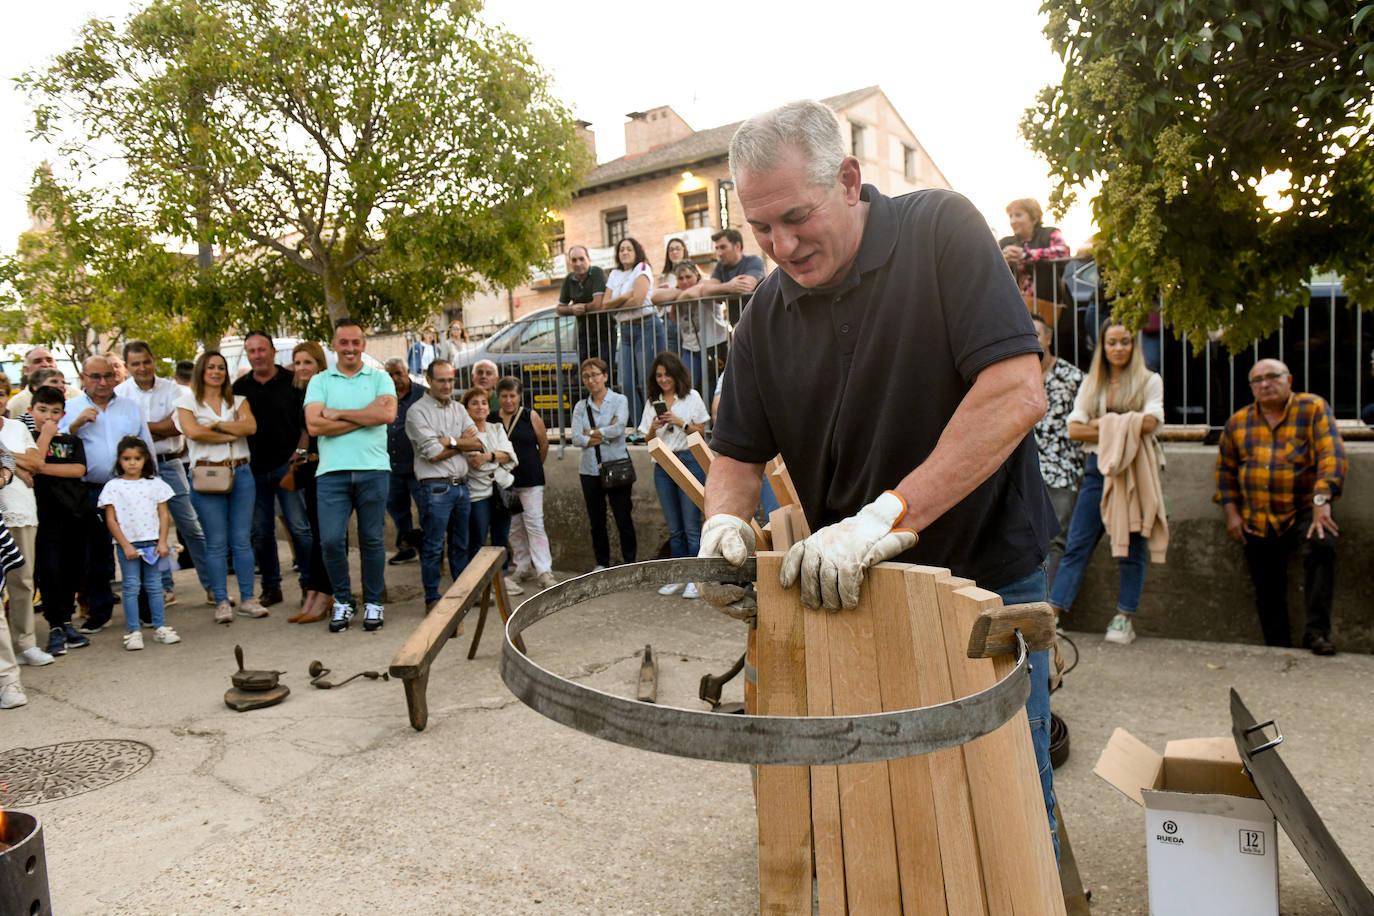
(830, 563)
(732, 538)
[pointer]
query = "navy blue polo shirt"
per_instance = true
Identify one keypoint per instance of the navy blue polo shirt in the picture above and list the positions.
(749, 265)
(854, 385)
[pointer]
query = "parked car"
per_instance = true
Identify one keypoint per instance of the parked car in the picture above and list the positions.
(537, 348)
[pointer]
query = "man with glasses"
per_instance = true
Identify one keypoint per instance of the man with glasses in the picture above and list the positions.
(155, 397)
(1281, 464)
(100, 418)
(38, 359)
(441, 431)
(581, 294)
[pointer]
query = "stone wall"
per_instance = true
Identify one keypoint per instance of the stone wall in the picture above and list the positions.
(1201, 592)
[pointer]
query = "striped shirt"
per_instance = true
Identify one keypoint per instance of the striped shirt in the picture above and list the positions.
(1271, 473)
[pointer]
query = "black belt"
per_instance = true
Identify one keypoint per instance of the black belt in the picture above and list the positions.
(450, 481)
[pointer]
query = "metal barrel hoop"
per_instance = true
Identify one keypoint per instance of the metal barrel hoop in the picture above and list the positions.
(727, 738)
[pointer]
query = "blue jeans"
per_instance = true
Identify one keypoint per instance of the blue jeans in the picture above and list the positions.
(400, 491)
(640, 342)
(339, 494)
(173, 473)
(446, 512)
(479, 521)
(681, 514)
(1032, 588)
(136, 576)
(265, 527)
(1085, 530)
(227, 520)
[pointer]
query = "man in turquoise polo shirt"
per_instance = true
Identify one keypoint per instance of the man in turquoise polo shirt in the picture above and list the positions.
(349, 407)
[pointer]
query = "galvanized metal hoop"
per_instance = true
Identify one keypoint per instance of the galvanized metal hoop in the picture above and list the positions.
(706, 735)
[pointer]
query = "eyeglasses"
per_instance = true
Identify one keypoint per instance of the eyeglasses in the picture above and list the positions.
(99, 376)
(1267, 377)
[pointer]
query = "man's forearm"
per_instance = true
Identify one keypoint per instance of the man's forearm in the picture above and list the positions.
(371, 415)
(319, 426)
(994, 417)
(733, 487)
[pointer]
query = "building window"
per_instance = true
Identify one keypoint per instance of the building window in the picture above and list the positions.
(617, 224)
(858, 140)
(909, 161)
(696, 209)
(557, 239)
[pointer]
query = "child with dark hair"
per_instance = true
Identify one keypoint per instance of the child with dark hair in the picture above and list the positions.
(62, 513)
(135, 504)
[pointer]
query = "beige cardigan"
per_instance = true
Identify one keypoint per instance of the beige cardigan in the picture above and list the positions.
(1132, 495)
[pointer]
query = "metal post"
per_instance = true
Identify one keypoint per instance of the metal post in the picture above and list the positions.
(563, 430)
(1307, 347)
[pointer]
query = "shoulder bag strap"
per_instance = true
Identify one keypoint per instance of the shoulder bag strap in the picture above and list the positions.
(591, 424)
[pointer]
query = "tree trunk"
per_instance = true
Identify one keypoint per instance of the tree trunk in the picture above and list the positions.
(334, 299)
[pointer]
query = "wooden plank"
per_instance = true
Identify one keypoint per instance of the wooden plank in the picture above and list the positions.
(994, 632)
(783, 488)
(784, 793)
(696, 444)
(870, 848)
(441, 622)
(1037, 874)
(1003, 781)
(913, 801)
(963, 874)
(825, 783)
(695, 489)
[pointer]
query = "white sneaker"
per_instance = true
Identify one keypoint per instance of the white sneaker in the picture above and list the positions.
(12, 695)
(597, 568)
(672, 588)
(690, 591)
(513, 587)
(224, 612)
(166, 635)
(252, 608)
(133, 641)
(547, 580)
(1120, 630)
(374, 616)
(35, 656)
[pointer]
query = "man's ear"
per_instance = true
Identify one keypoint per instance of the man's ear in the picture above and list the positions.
(851, 182)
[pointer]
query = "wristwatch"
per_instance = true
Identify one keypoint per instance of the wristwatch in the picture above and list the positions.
(1320, 499)
(452, 442)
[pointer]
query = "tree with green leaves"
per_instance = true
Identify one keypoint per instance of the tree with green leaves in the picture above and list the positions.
(1182, 109)
(395, 154)
(85, 280)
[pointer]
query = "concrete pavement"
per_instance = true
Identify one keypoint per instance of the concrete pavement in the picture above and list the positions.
(330, 803)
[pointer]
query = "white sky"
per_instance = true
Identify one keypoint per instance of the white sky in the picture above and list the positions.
(960, 75)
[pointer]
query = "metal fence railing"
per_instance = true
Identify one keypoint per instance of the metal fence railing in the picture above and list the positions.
(1326, 346)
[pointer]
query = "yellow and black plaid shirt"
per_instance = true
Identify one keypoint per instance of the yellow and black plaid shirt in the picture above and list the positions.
(1272, 473)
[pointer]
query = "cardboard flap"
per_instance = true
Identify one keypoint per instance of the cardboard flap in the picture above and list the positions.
(1206, 766)
(1232, 806)
(1129, 765)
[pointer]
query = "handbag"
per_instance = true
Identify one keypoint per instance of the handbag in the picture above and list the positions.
(288, 481)
(214, 479)
(614, 474)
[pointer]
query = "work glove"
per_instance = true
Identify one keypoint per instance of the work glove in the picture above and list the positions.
(732, 538)
(830, 564)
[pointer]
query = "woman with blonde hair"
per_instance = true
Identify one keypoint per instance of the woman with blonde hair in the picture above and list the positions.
(308, 360)
(1117, 383)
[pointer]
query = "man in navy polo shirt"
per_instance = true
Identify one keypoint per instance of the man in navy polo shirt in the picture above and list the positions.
(892, 363)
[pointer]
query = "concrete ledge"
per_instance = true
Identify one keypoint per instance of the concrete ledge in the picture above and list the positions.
(1202, 591)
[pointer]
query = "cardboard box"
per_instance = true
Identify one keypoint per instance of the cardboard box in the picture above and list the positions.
(1210, 839)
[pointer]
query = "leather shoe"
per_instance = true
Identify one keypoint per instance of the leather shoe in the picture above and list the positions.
(270, 596)
(316, 617)
(404, 555)
(1319, 645)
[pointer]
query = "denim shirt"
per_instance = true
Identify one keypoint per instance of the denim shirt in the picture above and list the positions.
(610, 418)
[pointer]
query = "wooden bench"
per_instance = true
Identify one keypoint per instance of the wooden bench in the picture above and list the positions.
(411, 665)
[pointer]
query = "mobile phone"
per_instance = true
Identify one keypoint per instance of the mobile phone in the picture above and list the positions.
(660, 408)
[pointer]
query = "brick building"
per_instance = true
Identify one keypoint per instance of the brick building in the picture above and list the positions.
(675, 182)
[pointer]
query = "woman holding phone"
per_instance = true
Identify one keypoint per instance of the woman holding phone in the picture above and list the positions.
(674, 411)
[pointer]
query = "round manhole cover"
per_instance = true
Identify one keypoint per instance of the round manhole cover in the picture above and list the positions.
(34, 775)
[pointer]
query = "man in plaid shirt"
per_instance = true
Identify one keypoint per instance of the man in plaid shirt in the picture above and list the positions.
(1281, 464)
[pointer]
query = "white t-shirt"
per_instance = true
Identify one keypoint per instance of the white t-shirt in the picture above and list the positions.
(621, 282)
(135, 503)
(157, 404)
(213, 451)
(493, 439)
(17, 500)
(690, 409)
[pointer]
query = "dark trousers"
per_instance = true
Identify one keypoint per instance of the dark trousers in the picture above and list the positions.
(100, 563)
(59, 564)
(400, 491)
(596, 497)
(1268, 561)
(316, 577)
